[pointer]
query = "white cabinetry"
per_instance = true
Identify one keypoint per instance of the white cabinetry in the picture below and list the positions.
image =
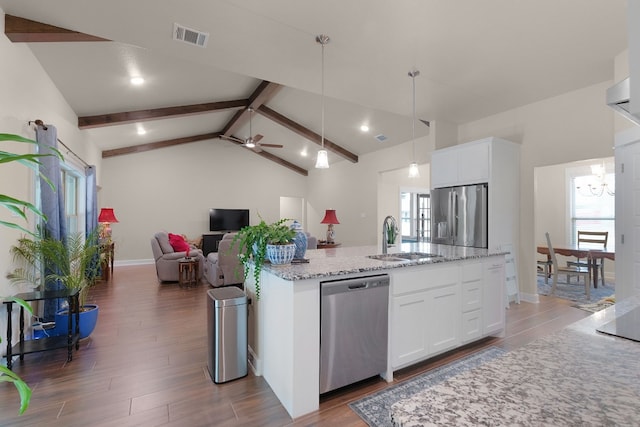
(436, 308)
(493, 294)
(460, 165)
(426, 307)
(472, 284)
(493, 161)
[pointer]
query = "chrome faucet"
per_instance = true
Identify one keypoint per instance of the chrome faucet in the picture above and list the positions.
(389, 221)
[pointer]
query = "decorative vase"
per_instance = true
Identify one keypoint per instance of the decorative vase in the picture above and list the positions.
(281, 254)
(300, 240)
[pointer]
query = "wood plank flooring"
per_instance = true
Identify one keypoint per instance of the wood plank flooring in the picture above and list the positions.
(145, 365)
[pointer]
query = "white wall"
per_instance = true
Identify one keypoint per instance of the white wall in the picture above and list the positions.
(27, 93)
(173, 188)
(574, 126)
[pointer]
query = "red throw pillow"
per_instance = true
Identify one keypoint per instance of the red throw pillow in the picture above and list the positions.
(178, 243)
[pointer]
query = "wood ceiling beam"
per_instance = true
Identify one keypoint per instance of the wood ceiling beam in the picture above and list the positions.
(100, 120)
(307, 133)
(186, 140)
(264, 93)
(274, 158)
(21, 30)
(160, 144)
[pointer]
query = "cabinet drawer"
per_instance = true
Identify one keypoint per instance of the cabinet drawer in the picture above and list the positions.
(471, 296)
(421, 278)
(472, 271)
(471, 326)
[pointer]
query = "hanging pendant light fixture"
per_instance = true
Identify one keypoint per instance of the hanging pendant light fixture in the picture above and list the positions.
(322, 161)
(414, 172)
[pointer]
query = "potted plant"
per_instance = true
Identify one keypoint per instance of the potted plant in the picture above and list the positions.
(256, 242)
(18, 208)
(74, 264)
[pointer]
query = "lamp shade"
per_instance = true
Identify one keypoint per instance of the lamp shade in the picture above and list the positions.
(107, 215)
(330, 217)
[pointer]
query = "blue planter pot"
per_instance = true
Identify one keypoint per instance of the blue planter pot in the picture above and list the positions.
(88, 321)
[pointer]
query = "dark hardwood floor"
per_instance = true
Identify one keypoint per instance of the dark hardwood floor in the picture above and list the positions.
(145, 365)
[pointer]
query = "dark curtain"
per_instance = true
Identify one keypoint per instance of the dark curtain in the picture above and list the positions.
(51, 202)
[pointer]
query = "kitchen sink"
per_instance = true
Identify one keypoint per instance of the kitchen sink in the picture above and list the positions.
(404, 256)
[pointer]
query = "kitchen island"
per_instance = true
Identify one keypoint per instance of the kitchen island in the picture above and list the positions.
(435, 305)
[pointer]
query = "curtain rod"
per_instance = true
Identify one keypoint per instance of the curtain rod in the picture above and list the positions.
(39, 122)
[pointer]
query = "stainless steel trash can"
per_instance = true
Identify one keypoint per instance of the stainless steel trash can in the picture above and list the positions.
(227, 331)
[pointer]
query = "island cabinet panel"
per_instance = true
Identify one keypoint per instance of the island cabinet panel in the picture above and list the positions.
(493, 296)
(443, 323)
(425, 312)
(472, 289)
(409, 331)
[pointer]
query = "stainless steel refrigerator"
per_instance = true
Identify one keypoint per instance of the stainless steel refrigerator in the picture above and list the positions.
(459, 215)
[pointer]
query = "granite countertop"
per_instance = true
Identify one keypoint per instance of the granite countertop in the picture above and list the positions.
(576, 376)
(347, 260)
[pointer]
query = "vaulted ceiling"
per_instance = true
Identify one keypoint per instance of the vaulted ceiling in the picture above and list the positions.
(476, 58)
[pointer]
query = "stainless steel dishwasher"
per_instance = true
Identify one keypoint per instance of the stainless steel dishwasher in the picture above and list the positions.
(353, 330)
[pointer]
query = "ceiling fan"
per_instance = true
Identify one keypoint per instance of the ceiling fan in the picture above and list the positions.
(252, 142)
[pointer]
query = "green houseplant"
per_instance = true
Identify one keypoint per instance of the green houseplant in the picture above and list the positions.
(20, 207)
(253, 241)
(74, 264)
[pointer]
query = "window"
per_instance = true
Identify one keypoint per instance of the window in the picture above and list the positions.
(592, 202)
(415, 217)
(74, 198)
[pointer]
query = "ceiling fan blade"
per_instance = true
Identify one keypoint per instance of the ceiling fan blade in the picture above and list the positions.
(272, 145)
(257, 138)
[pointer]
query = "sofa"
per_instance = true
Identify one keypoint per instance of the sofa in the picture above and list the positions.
(166, 257)
(224, 268)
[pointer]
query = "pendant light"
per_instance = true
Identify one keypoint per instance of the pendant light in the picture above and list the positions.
(322, 161)
(414, 172)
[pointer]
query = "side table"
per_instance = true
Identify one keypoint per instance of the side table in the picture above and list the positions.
(43, 344)
(107, 252)
(188, 272)
(325, 245)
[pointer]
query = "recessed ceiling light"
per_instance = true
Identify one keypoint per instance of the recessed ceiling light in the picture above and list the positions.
(304, 153)
(137, 81)
(364, 128)
(141, 130)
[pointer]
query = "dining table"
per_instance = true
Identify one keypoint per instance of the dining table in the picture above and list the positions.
(592, 255)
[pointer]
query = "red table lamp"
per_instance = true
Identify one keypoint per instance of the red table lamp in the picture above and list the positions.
(106, 217)
(331, 219)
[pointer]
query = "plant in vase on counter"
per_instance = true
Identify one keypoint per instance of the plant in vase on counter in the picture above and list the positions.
(263, 241)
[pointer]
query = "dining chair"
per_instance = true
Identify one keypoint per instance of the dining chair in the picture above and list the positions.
(594, 240)
(544, 266)
(583, 272)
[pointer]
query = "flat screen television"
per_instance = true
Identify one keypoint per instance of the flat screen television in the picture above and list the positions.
(228, 219)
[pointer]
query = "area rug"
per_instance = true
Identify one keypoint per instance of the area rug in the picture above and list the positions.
(575, 292)
(374, 409)
(597, 306)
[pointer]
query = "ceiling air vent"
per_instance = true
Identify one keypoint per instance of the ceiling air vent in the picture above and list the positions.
(189, 36)
(380, 138)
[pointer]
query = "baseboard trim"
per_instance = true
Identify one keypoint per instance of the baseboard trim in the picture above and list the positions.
(532, 298)
(133, 262)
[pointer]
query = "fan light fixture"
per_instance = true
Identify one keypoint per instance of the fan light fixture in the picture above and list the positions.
(414, 172)
(322, 161)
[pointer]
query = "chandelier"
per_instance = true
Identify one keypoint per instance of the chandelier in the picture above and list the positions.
(598, 185)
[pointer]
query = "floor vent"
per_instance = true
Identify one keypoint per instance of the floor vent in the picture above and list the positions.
(380, 138)
(189, 36)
